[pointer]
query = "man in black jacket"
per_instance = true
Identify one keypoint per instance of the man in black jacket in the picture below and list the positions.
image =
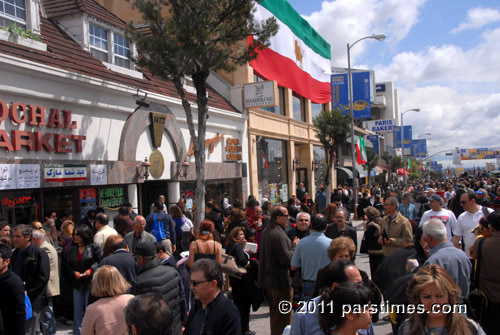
(12, 308)
(340, 227)
(122, 259)
(213, 313)
(155, 277)
(31, 264)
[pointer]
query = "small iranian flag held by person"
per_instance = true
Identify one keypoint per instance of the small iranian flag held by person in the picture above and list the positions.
(361, 150)
(298, 57)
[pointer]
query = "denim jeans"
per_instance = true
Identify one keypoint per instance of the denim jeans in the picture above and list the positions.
(308, 289)
(48, 319)
(80, 301)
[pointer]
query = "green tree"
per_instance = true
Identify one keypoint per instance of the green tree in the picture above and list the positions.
(394, 162)
(193, 38)
(332, 133)
(371, 162)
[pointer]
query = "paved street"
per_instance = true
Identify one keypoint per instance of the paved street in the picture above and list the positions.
(259, 320)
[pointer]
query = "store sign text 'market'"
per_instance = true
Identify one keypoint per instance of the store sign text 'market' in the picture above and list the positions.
(34, 115)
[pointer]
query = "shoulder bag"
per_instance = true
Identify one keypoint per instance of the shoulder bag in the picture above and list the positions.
(229, 266)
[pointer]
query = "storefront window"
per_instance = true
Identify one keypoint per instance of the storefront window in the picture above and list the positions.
(111, 198)
(216, 190)
(299, 108)
(19, 207)
(59, 200)
(272, 170)
(316, 109)
(320, 166)
(88, 200)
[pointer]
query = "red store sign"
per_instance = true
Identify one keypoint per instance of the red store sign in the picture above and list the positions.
(33, 115)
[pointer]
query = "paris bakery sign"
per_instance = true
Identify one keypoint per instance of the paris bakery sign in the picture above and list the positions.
(34, 115)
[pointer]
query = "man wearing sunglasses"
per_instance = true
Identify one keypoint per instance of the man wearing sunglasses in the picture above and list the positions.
(212, 313)
(275, 256)
(468, 220)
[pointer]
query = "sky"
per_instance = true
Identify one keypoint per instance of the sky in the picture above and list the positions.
(443, 57)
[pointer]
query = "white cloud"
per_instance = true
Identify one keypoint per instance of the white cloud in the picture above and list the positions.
(447, 63)
(344, 21)
(477, 18)
(466, 120)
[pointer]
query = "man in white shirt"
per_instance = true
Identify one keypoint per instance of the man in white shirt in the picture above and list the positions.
(468, 220)
(103, 230)
(437, 212)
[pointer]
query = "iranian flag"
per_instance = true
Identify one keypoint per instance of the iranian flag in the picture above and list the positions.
(298, 57)
(361, 150)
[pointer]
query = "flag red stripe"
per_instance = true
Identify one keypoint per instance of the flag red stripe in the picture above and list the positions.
(274, 66)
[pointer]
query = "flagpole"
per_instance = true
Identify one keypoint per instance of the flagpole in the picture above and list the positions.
(379, 37)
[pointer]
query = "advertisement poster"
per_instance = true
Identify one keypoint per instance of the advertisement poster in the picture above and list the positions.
(98, 174)
(7, 176)
(374, 140)
(398, 139)
(360, 92)
(28, 175)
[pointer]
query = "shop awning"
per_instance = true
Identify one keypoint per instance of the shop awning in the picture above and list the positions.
(361, 171)
(344, 173)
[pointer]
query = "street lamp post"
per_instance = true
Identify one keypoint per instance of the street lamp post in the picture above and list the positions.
(426, 134)
(416, 110)
(378, 37)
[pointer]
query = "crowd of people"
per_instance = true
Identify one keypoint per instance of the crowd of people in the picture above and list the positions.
(428, 244)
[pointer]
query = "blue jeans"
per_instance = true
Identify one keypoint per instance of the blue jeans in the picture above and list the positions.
(80, 301)
(47, 319)
(308, 289)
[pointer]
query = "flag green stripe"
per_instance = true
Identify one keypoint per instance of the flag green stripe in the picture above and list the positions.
(300, 27)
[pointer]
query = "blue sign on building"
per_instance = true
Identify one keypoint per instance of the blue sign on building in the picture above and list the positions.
(374, 140)
(419, 148)
(340, 92)
(397, 136)
(360, 92)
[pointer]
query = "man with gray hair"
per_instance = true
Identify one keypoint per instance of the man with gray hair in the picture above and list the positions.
(47, 317)
(444, 254)
(396, 231)
(301, 229)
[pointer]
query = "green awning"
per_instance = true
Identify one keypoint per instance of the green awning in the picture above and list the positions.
(344, 173)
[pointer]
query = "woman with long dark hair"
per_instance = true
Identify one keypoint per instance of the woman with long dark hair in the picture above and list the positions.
(335, 319)
(245, 289)
(80, 262)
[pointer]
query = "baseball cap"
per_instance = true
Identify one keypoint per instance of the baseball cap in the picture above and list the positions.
(436, 197)
(481, 191)
(145, 249)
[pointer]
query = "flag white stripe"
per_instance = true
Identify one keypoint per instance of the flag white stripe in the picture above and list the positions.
(284, 43)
